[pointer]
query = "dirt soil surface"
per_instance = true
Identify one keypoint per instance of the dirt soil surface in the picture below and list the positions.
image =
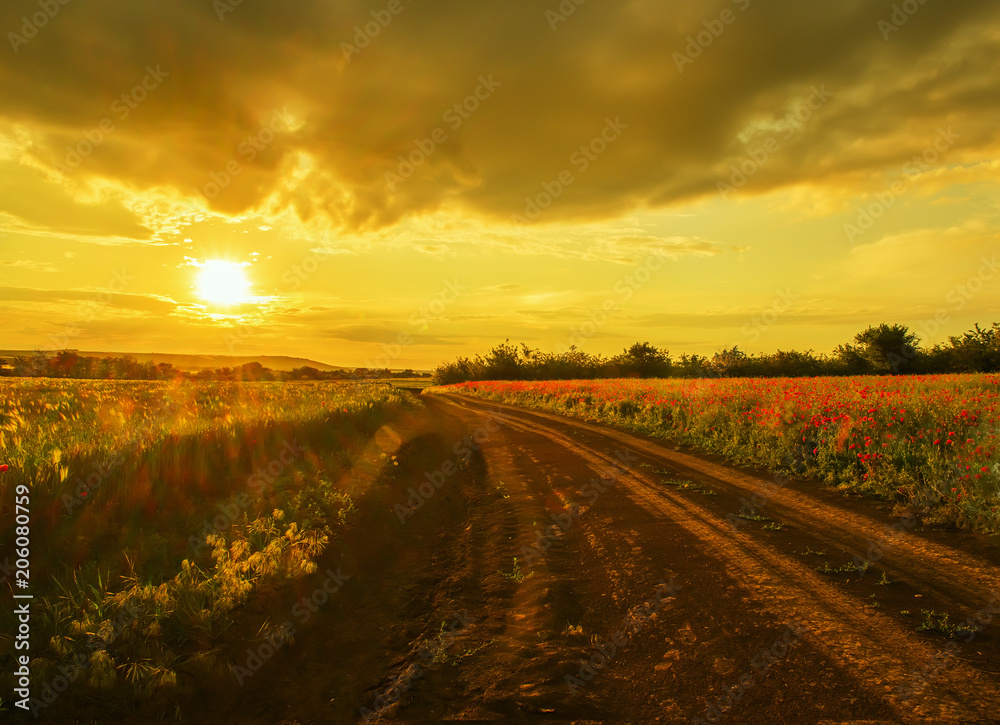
(519, 566)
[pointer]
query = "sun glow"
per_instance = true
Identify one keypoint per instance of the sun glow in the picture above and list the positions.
(223, 283)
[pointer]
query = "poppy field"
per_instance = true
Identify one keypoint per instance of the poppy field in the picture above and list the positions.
(929, 443)
(156, 509)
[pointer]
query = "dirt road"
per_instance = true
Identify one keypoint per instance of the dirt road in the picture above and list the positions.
(518, 566)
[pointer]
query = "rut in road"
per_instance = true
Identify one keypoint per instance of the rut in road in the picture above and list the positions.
(879, 654)
(955, 574)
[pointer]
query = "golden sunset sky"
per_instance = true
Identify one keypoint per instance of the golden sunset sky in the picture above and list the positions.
(421, 180)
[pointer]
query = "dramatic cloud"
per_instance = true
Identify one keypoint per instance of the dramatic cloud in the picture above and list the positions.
(614, 107)
(358, 156)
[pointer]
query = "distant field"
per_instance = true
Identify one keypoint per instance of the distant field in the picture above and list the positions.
(195, 362)
(158, 508)
(420, 383)
(927, 442)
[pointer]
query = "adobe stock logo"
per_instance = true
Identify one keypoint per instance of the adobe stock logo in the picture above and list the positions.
(757, 157)
(363, 36)
(698, 44)
(901, 15)
(122, 108)
(249, 148)
(867, 215)
(455, 116)
(562, 13)
(30, 26)
(582, 158)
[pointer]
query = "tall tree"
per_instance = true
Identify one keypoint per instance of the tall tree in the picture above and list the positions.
(889, 347)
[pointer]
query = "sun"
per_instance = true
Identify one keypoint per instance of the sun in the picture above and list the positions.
(223, 283)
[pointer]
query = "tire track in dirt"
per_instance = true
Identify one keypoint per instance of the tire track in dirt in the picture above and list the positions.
(520, 619)
(600, 575)
(955, 573)
(520, 677)
(879, 652)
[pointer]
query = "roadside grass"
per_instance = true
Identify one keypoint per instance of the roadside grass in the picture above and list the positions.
(848, 568)
(140, 575)
(515, 575)
(811, 552)
(938, 622)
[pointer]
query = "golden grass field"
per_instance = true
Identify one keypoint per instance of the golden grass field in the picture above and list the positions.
(159, 508)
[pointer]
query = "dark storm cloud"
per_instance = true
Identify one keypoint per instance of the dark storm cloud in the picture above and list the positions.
(264, 103)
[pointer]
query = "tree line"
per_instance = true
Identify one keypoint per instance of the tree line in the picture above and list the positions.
(70, 364)
(879, 350)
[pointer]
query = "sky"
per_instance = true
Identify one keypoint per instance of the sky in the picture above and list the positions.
(396, 183)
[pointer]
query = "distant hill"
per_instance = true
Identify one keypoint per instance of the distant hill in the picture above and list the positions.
(200, 362)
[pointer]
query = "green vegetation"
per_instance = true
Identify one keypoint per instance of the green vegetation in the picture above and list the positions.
(516, 575)
(877, 350)
(938, 622)
(70, 364)
(160, 510)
